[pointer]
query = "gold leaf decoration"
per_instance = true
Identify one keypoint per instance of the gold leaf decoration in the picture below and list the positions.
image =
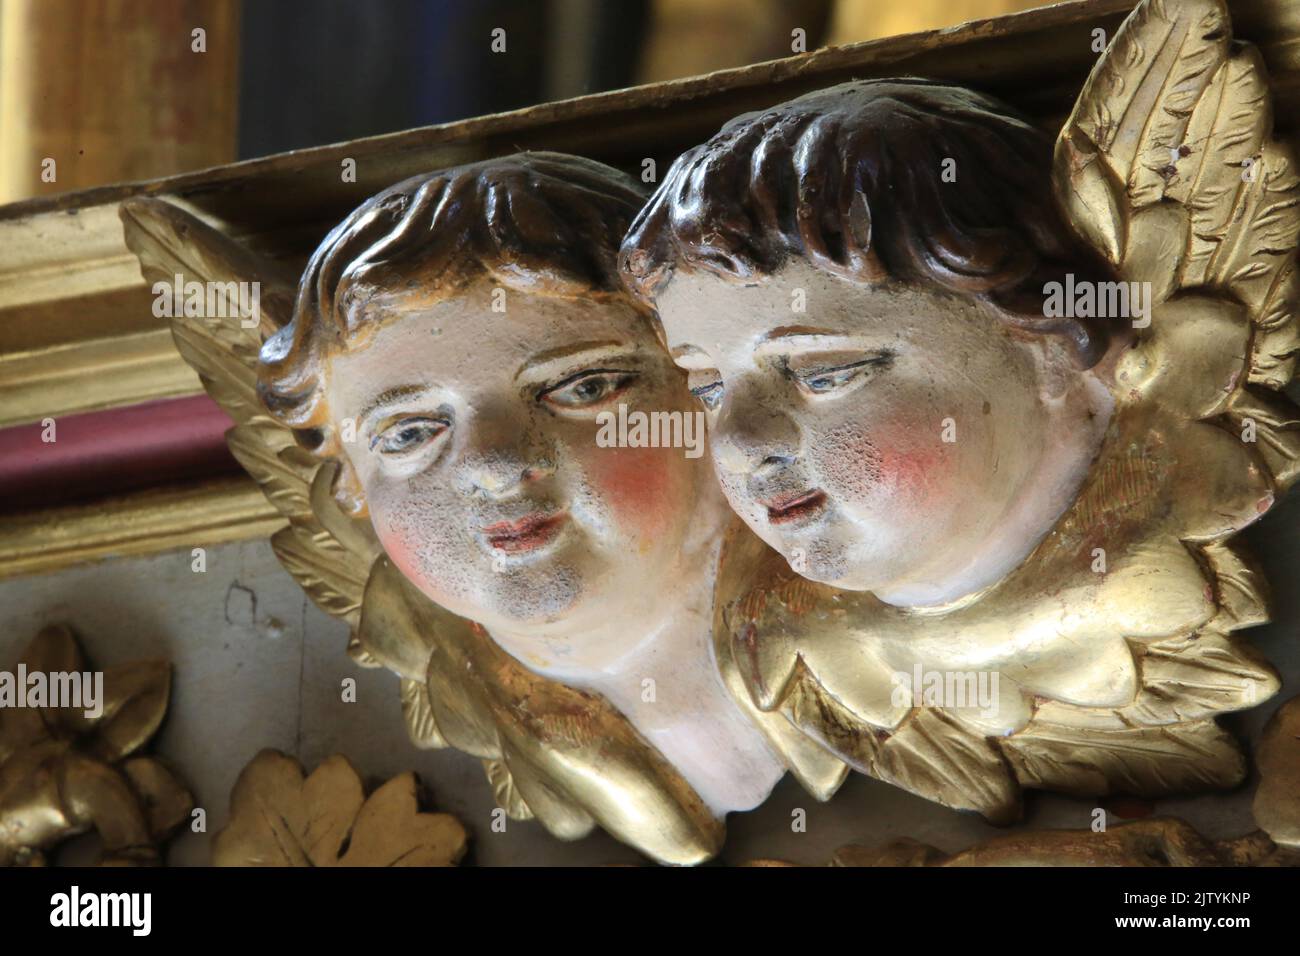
(64, 773)
(281, 817)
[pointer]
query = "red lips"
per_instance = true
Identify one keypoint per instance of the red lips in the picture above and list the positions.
(528, 533)
(793, 507)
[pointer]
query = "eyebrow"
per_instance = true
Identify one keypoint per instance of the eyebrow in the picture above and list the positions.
(782, 339)
(391, 396)
(559, 359)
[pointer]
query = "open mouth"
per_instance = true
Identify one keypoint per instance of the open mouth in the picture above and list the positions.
(527, 534)
(791, 508)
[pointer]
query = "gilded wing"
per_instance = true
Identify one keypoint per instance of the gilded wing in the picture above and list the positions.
(1169, 168)
(327, 552)
(565, 757)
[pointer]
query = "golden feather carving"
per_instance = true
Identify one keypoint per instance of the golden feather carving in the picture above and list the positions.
(169, 241)
(1143, 761)
(1197, 676)
(505, 792)
(1175, 114)
(417, 712)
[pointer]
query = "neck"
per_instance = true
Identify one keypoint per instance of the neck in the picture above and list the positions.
(668, 685)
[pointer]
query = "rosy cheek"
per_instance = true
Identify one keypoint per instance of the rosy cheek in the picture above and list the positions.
(640, 485)
(406, 547)
(400, 553)
(916, 474)
(885, 464)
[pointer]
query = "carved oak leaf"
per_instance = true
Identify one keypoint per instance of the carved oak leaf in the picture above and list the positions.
(63, 773)
(280, 817)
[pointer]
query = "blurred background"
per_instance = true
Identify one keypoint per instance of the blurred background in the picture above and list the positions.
(120, 90)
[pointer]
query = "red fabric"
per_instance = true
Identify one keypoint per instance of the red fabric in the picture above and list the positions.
(96, 454)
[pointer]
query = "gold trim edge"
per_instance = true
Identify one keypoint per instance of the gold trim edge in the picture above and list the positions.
(142, 523)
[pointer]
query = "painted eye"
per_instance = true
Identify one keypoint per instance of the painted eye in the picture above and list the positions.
(707, 387)
(829, 381)
(407, 435)
(834, 379)
(588, 388)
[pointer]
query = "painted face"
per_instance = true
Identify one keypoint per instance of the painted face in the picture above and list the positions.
(879, 439)
(476, 447)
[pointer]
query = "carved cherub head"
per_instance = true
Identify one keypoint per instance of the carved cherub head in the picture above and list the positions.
(854, 281)
(452, 343)
(448, 352)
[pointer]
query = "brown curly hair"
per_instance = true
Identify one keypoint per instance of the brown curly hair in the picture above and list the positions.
(849, 178)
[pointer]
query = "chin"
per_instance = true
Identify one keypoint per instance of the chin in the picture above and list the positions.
(820, 575)
(537, 602)
(815, 559)
(836, 577)
(511, 598)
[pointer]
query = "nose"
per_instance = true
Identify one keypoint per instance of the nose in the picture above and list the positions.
(753, 434)
(500, 476)
(502, 454)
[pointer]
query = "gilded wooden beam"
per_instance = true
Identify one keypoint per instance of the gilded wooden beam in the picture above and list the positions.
(92, 375)
(157, 520)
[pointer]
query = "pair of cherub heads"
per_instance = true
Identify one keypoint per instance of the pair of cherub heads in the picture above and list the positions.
(846, 288)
